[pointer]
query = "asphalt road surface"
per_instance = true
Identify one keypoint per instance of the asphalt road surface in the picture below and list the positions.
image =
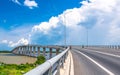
(95, 61)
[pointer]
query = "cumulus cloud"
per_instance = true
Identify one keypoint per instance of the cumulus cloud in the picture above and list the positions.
(47, 31)
(4, 41)
(17, 36)
(99, 17)
(22, 41)
(16, 1)
(30, 4)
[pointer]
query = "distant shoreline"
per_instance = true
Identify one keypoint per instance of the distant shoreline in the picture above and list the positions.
(5, 51)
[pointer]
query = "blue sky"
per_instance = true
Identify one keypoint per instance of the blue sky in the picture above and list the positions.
(42, 22)
(13, 14)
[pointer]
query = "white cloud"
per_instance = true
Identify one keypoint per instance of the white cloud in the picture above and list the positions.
(22, 41)
(101, 17)
(17, 36)
(16, 1)
(4, 41)
(46, 26)
(30, 4)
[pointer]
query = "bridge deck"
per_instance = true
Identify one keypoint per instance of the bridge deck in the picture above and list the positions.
(94, 59)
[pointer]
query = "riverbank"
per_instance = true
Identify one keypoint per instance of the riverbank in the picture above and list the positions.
(15, 69)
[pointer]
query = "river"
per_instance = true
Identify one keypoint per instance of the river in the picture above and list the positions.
(10, 58)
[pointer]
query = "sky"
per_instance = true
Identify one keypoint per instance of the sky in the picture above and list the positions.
(43, 22)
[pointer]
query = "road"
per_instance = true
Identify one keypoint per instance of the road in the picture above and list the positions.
(95, 61)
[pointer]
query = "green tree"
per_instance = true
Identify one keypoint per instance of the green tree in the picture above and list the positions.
(40, 59)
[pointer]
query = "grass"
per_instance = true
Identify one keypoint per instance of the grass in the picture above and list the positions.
(14, 69)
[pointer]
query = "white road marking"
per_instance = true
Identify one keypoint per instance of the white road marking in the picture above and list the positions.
(72, 65)
(104, 53)
(105, 69)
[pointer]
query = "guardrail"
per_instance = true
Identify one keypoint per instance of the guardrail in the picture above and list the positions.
(115, 47)
(50, 67)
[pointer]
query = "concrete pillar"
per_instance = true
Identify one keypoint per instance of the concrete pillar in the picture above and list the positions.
(110, 46)
(118, 47)
(18, 50)
(30, 50)
(34, 51)
(21, 50)
(44, 51)
(115, 47)
(25, 50)
(50, 56)
(14, 51)
(38, 51)
(57, 51)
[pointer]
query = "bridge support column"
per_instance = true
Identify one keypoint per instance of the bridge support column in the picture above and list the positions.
(114, 47)
(118, 47)
(57, 51)
(50, 56)
(44, 51)
(21, 50)
(30, 51)
(18, 50)
(34, 51)
(38, 51)
(111, 46)
(25, 49)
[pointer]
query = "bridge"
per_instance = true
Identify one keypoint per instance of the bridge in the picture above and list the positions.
(84, 60)
(36, 50)
(51, 66)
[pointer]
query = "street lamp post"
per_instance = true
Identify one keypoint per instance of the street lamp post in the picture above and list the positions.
(87, 37)
(65, 30)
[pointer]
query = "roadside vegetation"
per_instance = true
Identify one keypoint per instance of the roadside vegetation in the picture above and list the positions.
(14, 69)
(5, 51)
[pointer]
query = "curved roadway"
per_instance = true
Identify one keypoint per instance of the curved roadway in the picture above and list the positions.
(95, 61)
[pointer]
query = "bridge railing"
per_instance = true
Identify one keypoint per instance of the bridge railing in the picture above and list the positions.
(50, 67)
(114, 47)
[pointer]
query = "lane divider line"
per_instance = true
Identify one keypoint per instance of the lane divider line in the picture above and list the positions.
(104, 53)
(105, 69)
(72, 65)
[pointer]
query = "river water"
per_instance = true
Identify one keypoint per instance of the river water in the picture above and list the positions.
(10, 58)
